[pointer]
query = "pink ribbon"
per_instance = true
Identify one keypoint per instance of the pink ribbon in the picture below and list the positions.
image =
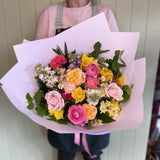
(84, 142)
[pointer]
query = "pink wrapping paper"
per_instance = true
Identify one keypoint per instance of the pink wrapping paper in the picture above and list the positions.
(20, 79)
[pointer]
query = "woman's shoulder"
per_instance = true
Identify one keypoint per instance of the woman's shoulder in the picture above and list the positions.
(103, 8)
(50, 8)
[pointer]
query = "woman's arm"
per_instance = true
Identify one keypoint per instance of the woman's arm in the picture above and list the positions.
(43, 25)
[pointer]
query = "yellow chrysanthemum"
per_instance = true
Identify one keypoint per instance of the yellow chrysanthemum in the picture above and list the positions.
(85, 61)
(78, 94)
(114, 109)
(75, 76)
(115, 106)
(120, 81)
(108, 74)
(57, 114)
(91, 111)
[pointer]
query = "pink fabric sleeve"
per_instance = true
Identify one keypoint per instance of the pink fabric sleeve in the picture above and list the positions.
(110, 18)
(112, 22)
(43, 25)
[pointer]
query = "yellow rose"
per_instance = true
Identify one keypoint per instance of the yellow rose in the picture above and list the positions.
(75, 76)
(120, 81)
(107, 74)
(91, 111)
(78, 94)
(57, 114)
(85, 61)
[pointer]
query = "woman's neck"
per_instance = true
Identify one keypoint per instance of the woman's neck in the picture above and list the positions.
(75, 3)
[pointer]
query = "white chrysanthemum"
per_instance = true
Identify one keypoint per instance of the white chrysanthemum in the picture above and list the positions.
(60, 86)
(55, 79)
(103, 78)
(41, 76)
(49, 85)
(92, 103)
(93, 96)
(103, 107)
(51, 72)
(106, 64)
(47, 68)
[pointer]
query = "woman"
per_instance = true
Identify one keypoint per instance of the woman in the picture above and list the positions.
(55, 19)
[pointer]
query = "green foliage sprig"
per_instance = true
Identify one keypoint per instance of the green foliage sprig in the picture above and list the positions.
(97, 50)
(114, 64)
(38, 103)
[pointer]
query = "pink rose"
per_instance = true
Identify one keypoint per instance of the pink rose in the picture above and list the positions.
(92, 82)
(54, 100)
(92, 70)
(58, 61)
(114, 91)
(76, 114)
(69, 87)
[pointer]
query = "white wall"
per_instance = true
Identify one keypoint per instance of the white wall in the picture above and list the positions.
(22, 139)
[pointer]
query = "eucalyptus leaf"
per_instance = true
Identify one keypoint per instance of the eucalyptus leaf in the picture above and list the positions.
(38, 96)
(29, 98)
(30, 106)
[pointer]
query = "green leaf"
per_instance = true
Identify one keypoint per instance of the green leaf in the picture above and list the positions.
(105, 118)
(56, 51)
(97, 46)
(126, 97)
(65, 50)
(60, 51)
(30, 106)
(61, 121)
(38, 96)
(127, 92)
(97, 50)
(41, 85)
(29, 98)
(117, 54)
(41, 111)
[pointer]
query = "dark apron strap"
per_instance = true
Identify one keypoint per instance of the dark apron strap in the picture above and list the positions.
(59, 13)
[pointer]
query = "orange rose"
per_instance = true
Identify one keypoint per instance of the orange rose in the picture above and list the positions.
(91, 111)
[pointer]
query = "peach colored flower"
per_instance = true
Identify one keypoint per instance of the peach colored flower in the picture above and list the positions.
(76, 76)
(54, 100)
(91, 111)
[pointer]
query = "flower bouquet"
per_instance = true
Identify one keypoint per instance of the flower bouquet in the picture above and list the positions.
(84, 90)
(72, 80)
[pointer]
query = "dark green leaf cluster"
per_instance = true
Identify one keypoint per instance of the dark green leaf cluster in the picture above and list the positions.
(38, 103)
(60, 52)
(114, 64)
(105, 117)
(126, 92)
(97, 51)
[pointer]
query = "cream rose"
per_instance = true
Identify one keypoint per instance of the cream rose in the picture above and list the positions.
(54, 100)
(114, 91)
